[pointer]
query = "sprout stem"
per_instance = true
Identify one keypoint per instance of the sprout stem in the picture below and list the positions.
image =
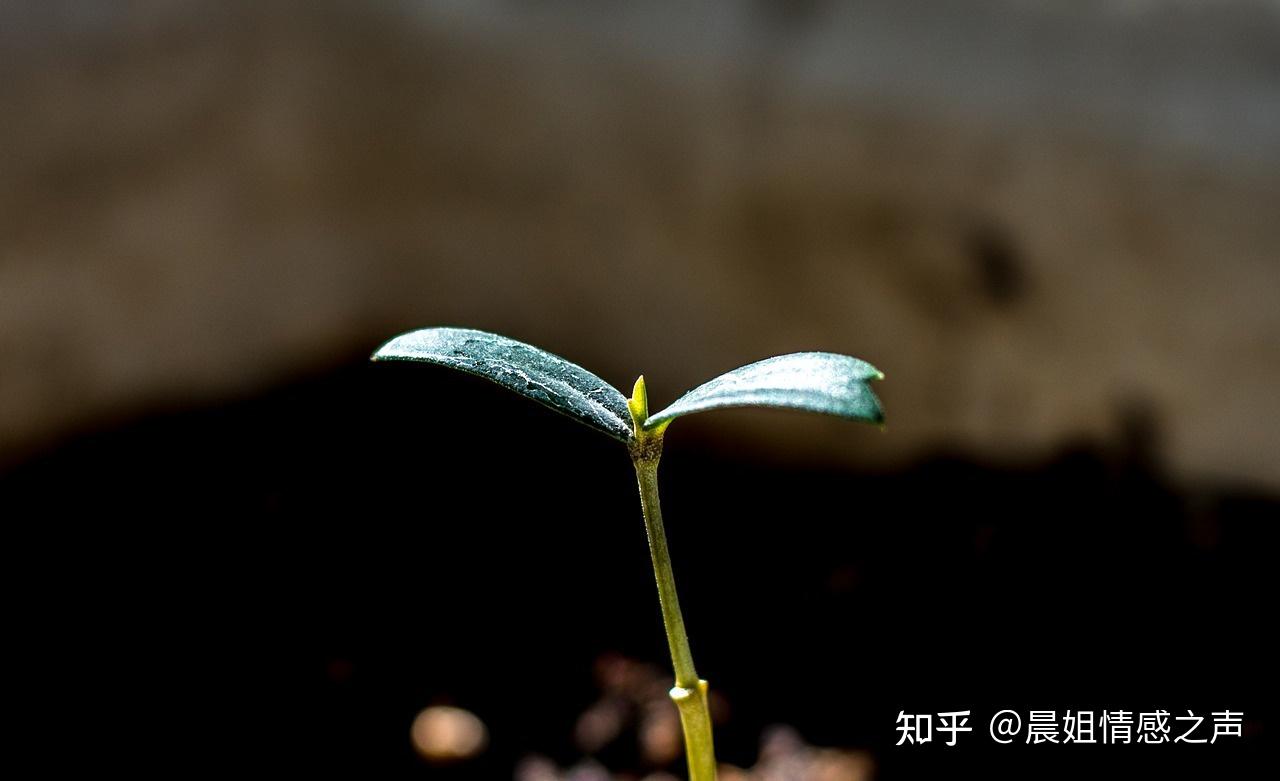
(681, 658)
(690, 691)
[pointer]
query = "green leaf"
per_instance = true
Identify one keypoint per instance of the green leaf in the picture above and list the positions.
(818, 382)
(537, 374)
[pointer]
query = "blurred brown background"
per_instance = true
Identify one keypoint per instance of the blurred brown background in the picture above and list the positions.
(1041, 219)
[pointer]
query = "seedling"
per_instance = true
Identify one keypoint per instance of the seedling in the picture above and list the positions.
(818, 382)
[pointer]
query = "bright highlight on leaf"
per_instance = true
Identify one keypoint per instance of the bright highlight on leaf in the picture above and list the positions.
(536, 374)
(817, 382)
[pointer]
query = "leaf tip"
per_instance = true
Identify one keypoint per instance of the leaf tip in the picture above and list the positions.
(383, 352)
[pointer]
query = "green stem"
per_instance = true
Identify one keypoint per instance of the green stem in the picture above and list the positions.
(690, 691)
(677, 638)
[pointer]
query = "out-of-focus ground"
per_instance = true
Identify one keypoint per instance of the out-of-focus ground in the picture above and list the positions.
(1045, 221)
(634, 716)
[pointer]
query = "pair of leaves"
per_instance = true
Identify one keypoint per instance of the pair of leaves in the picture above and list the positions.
(818, 382)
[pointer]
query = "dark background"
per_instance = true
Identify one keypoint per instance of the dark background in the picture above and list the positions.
(285, 581)
(235, 546)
